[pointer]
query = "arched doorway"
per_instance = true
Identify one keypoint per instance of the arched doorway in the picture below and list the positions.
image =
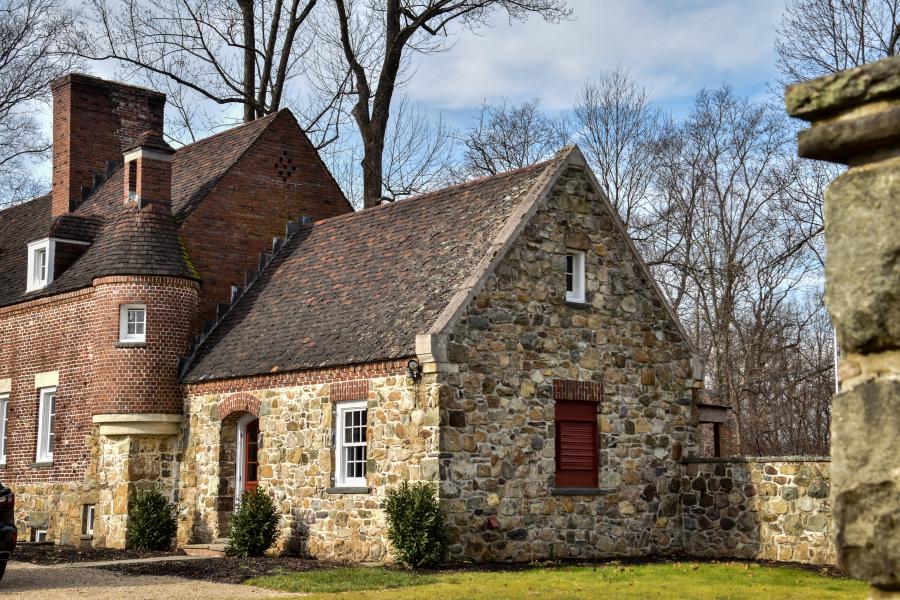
(247, 460)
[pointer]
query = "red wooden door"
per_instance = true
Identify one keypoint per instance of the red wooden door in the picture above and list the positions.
(251, 460)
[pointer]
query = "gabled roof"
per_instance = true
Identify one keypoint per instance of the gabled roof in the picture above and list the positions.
(122, 245)
(359, 287)
(362, 287)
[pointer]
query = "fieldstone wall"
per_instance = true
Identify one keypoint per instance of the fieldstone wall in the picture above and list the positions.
(119, 467)
(296, 463)
(758, 508)
(498, 439)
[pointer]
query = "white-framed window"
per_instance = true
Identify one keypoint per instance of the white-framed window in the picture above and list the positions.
(46, 425)
(87, 519)
(575, 276)
(38, 535)
(350, 444)
(132, 323)
(40, 264)
(4, 419)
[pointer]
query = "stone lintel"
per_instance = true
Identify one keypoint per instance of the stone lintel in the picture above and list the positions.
(5, 385)
(46, 379)
(138, 424)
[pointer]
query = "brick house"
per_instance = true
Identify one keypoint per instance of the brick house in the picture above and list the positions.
(501, 337)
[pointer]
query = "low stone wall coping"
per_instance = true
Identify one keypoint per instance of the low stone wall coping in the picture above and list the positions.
(753, 459)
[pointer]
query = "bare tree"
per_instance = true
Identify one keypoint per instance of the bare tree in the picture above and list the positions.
(376, 38)
(243, 54)
(619, 129)
(734, 261)
(505, 137)
(418, 151)
(818, 37)
(29, 61)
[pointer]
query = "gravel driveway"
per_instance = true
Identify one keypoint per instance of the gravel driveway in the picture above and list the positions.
(23, 580)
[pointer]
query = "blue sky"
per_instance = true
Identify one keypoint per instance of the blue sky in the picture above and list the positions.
(674, 47)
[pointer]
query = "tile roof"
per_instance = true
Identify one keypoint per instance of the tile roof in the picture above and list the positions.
(125, 241)
(359, 287)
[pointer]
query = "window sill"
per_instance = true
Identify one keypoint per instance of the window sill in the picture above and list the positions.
(85, 537)
(121, 344)
(348, 490)
(41, 464)
(556, 491)
(3, 464)
(579, 305)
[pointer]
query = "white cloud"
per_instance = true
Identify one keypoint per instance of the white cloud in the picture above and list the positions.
(673, 47)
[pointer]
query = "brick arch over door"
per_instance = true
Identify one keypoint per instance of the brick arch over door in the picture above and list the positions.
(240, 402)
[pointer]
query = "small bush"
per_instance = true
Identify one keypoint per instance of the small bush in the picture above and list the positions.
(253, 525)
(416, 524)
(152, 521)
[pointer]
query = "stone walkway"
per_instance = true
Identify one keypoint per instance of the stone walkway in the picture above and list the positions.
(64, 582)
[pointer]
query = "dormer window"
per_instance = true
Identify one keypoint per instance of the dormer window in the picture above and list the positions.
(575, 276)
(40, 264)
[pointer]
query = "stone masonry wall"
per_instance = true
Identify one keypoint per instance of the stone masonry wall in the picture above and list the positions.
(296, 462)
(758, 508)
(519, 334)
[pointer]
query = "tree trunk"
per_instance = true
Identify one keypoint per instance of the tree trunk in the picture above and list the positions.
(246, 7)
(372, 173)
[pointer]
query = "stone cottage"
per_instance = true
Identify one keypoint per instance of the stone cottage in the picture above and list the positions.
(217, 319)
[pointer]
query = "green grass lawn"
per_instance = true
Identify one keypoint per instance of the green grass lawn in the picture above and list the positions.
(675, 581)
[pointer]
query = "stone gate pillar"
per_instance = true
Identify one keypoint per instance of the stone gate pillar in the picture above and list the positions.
(855, 120)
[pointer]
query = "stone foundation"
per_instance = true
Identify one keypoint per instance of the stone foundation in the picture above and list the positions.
(758, 508)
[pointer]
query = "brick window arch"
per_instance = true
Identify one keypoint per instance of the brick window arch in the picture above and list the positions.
(241, 402)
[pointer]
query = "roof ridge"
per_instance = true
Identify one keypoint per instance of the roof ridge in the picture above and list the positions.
(450, 188)
(268, 117)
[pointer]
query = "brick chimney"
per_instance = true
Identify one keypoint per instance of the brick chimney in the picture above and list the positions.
(148, 171)
(94, 121)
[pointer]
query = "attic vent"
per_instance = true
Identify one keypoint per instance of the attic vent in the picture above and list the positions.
(285, 166)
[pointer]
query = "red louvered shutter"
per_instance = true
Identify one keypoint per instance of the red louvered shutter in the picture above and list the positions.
(576, 444)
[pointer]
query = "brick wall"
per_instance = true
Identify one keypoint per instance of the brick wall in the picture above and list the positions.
(76, 334)
(280, 178)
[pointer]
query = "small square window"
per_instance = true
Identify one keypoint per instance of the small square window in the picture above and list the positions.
(38, 535)
(132, 323)
(350, 444)
(575, 276)
(87, 519)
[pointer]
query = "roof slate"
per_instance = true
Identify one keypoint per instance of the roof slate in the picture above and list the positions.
(125, 241)
(359, 287)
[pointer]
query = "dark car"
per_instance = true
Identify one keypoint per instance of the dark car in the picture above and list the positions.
(8, 533)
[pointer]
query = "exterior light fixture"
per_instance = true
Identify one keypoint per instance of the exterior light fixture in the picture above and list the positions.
(413, 369)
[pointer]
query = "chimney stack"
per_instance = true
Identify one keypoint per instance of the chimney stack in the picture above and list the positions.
(148, 171)
(94, 122)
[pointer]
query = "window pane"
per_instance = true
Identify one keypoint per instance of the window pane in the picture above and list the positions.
(570, 270)
(51, 422)
(4, 403)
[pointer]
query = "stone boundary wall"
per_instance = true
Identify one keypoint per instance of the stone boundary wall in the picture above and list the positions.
(768, 508)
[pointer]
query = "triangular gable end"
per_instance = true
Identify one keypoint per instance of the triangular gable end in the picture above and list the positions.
(432, 345)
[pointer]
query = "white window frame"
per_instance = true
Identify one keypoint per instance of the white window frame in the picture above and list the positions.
(341, 445)
(124, 336)
(576, 294)
(39, 535)
(89, 513)
(46, 441)
(39, 278)
(4, 419)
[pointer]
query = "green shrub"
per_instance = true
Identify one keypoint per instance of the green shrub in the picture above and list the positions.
(253, 525)
(152, 521)
(416, 525)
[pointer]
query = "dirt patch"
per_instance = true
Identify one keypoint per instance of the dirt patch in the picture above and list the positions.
(51, 554)
(222, 570)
